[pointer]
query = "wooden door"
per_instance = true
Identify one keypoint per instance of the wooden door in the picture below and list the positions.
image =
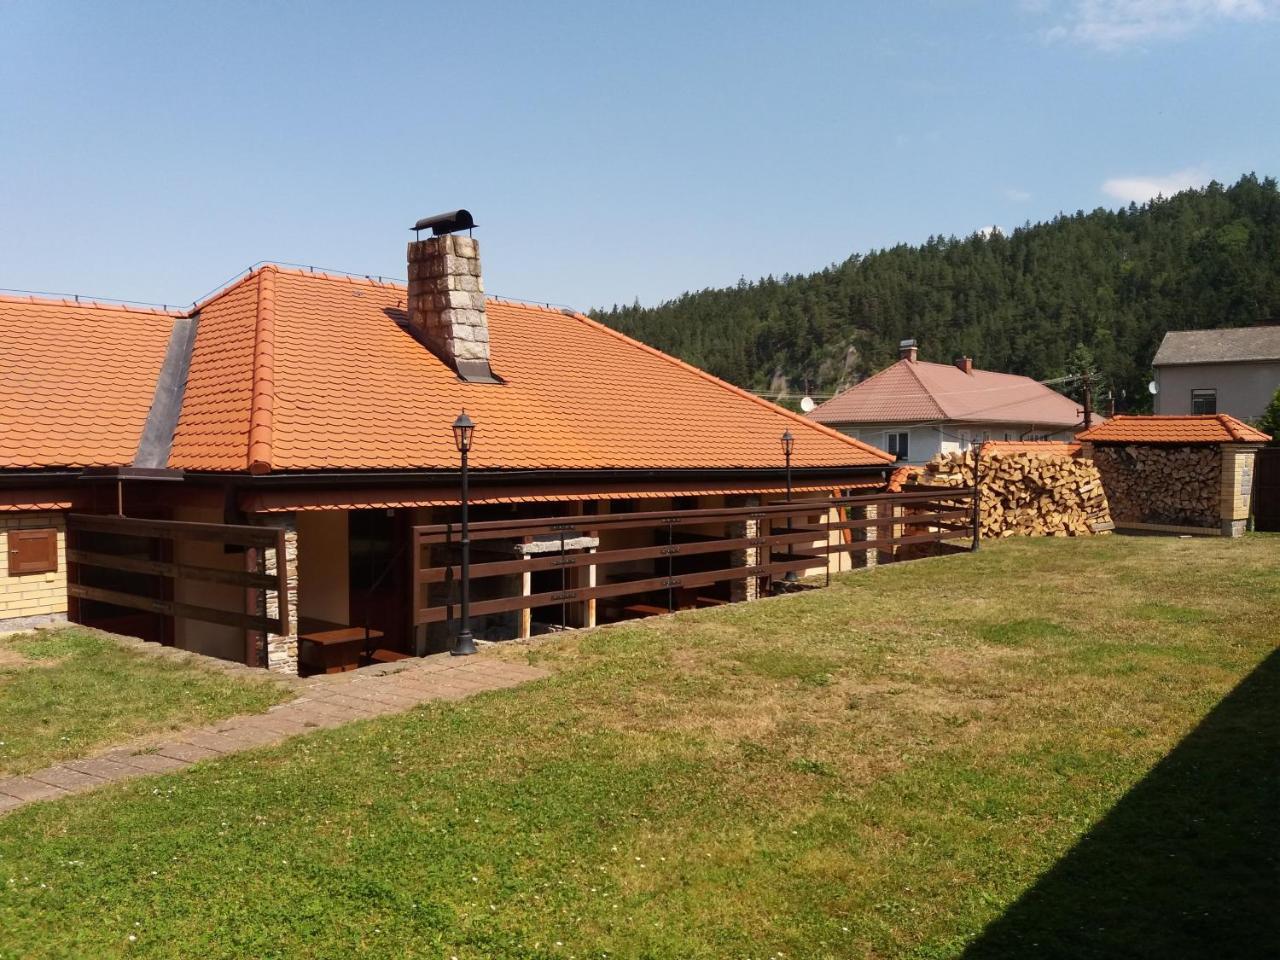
(1266, 490)
(377, 565)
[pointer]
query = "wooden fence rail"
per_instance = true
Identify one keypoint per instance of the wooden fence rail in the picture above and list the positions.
(786, 538)
(113, 555)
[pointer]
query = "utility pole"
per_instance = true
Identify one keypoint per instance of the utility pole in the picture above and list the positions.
(1087, 376)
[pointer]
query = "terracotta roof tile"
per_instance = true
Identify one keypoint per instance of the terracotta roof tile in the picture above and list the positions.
(1208, 428)
(213, 429)
(351, 389)
(916, 391)
(293, 370)
(76, 381)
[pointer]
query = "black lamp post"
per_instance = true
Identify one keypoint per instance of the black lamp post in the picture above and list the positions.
(789, 445)
(464, 643)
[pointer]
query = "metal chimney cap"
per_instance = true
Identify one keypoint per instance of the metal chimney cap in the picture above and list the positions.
(447, 222)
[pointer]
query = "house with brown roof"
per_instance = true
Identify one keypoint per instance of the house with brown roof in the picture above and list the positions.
(1233, 370)
(279, 462)
(916, 410)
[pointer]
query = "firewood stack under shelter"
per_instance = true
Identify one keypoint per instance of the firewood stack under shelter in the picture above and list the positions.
(1179, 486)
(1188, 474)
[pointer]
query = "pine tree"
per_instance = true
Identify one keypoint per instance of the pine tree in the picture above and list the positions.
(1113, 282)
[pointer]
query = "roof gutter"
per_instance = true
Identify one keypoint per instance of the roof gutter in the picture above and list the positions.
(24, 478)
(548, 477)
(131, 473)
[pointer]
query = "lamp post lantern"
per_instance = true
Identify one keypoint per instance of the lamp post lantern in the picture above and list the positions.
(788, 446)
(464, 644)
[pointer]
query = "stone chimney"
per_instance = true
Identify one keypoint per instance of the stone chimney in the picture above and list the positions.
(446, 304)
(966, 365)
(907, 350)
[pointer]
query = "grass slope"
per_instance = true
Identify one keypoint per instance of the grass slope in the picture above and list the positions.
(65, 692)
(1051, 749)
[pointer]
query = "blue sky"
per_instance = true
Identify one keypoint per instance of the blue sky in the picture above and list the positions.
(608, 151)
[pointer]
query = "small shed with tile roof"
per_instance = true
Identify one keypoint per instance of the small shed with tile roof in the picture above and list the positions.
(1190, 474)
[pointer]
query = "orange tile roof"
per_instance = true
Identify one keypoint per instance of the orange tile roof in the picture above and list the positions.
(902, 477)
(213, 429)
(76, 380)
(35, 499)
(295, 370)
(1207, 428)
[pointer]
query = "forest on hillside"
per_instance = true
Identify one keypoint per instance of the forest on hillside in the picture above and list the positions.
(1095, 290)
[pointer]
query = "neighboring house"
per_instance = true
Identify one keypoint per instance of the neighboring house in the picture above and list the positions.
(295, 429)
(916, 410)
(1234, 371)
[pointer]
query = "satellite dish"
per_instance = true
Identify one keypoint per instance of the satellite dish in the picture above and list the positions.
(807, 404)
(1153, 388)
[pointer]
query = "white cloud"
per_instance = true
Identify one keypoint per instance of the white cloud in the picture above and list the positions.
(1016, 195)
(986, 233)
(1142, 189)
(1117, 24)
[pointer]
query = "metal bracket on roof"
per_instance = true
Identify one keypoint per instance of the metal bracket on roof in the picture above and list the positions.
(476, 371)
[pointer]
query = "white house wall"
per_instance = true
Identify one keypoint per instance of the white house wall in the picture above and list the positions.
(928, 440)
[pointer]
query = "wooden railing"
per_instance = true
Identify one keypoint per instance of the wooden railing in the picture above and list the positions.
(777, 539)
(164, 535)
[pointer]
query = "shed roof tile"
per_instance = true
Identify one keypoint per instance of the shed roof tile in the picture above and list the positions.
(1189, 429)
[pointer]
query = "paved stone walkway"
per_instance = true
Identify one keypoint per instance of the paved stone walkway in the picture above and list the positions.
(323, 702)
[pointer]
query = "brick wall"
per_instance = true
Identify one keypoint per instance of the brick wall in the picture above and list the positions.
(33, 595)
(1237, 486)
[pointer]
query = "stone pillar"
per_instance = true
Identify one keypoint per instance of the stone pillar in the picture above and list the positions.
(1237, 487)
(863, 558)
(446, 303)
(747, 588)
(282, 649)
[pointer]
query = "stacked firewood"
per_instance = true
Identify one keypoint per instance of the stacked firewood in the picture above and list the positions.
(1028, 494)
(1168, 485)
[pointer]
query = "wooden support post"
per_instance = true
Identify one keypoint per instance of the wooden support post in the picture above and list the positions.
(254, 605)
(526, 614)
(590, 574)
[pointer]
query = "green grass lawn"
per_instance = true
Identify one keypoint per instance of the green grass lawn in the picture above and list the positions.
(1054, 748)
(66, 692)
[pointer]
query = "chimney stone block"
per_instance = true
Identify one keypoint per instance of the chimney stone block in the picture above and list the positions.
(446, 297)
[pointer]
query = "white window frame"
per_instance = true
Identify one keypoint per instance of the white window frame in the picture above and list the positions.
(891, 443)
(1203, 391)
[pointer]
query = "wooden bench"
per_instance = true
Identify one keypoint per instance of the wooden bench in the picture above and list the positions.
(334, 651)
(645, 609)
